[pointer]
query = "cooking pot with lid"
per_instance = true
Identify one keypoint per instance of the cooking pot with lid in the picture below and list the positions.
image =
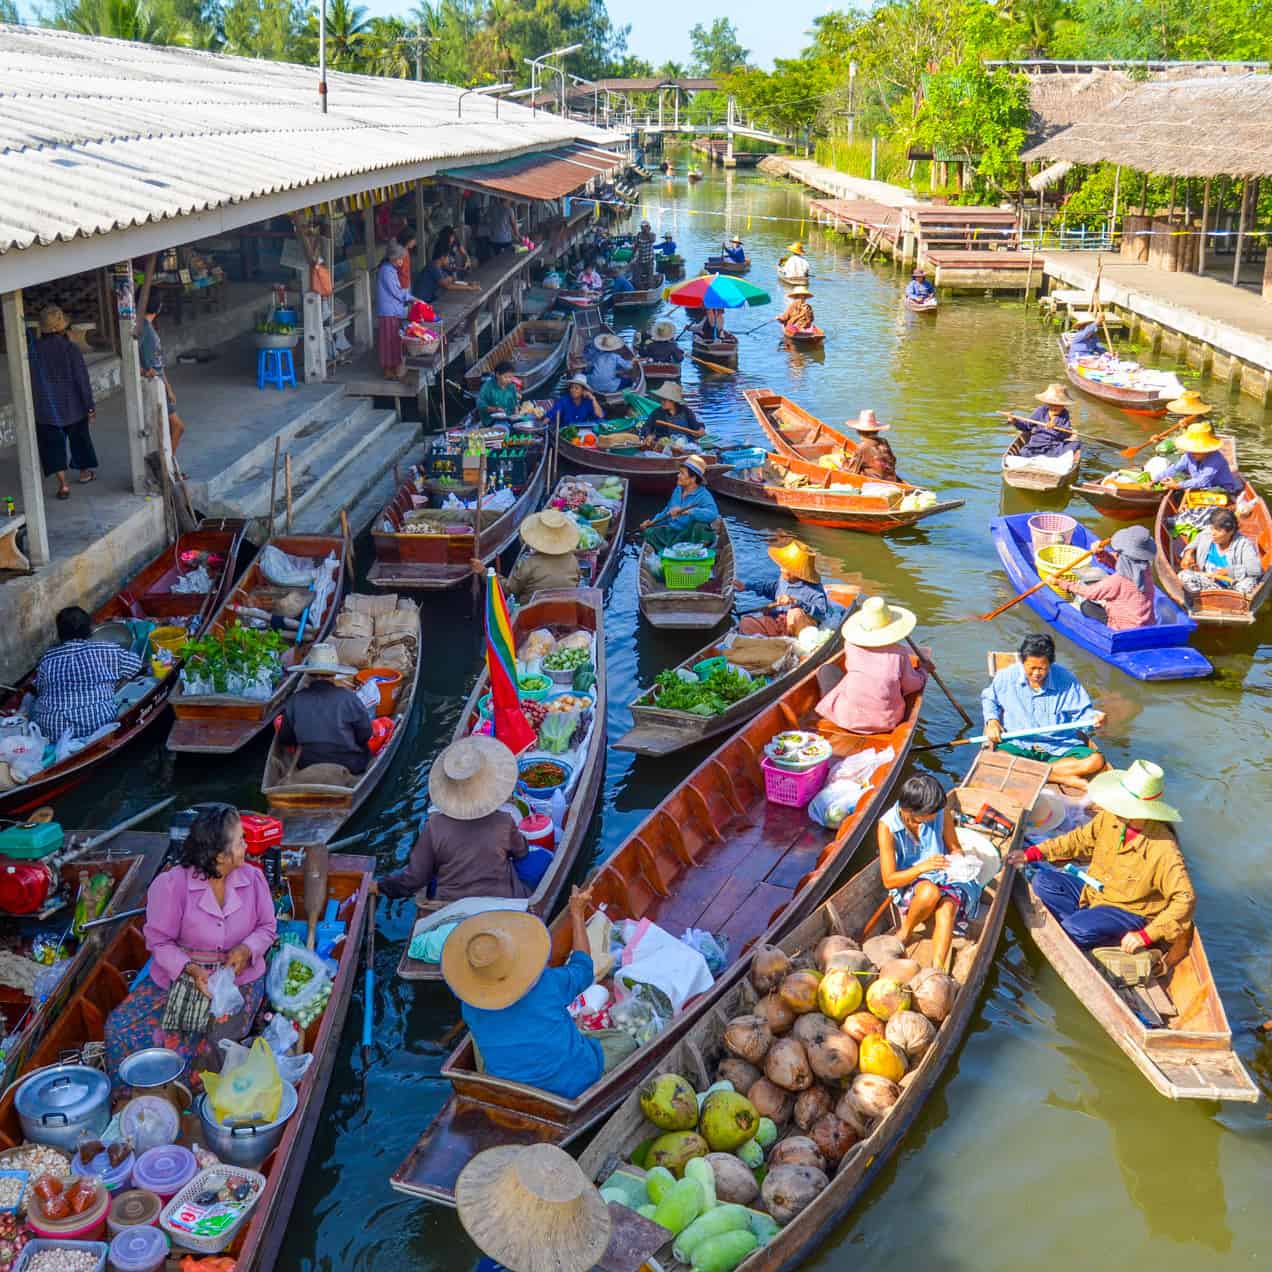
(60, 1104)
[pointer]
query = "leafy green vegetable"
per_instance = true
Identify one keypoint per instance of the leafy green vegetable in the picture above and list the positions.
(566, 659)
(556, 731)
(723, 687)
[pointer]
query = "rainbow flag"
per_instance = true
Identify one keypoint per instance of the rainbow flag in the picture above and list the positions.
(510, 724)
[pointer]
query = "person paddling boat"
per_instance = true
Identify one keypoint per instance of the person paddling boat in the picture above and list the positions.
(799, 600)
(1049, 430)
(798, 315)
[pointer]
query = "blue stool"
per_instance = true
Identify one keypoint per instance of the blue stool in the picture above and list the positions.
(275, 366)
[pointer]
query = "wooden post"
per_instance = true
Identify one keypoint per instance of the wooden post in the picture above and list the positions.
(130, 382)
(1205, 214)
(29, 470)
(1117, 187)
(273, 485)
(1241, 229)
(1029, 276)
(421, 251)
(1170, 215)
(287, 486)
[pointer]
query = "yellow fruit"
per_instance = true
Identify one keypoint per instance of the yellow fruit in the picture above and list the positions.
(882, 1058)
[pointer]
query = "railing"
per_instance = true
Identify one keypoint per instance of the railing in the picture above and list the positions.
(1058, 239)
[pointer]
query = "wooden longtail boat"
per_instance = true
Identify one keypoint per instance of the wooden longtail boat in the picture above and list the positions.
(255, 1247)
(929, 306)
(722, 351)
(1037, 476)
(1216, 604)
(796, 432)
(650, 295)
(220, 723)
(699, 608)
(723, 265)
(816, 504)
(715, 855)
(561, 613)
(1151, 399)
(660, 372)
(587, 327)
(148, 594)
(406, 561)
(810, 339)
(645, 474)
(1133, 501)
(536, 348)
(313, 812)
(673, 266)
(846, 913)
(599, 565)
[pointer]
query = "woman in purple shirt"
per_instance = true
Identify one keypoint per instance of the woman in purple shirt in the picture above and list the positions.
(210, 911)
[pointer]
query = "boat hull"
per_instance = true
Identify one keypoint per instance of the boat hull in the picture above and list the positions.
(536, 348)
(644, 475)
(690, 609)
(1036, 477)
(1120, 503)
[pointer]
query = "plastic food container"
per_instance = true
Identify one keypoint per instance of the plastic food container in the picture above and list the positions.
(538, 831)
(141, 1249)
(180, 1214)
(387, 681)
(89, 1225)
(133, 1208)
(173, 639)
(684, 576)
(542, 792)
(149, 1121)
(781, 786)
(33, 1248)
(165, 1171)
(536, 693)
(116, 1178)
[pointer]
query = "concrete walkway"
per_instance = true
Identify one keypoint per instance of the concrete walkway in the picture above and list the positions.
(838, 184)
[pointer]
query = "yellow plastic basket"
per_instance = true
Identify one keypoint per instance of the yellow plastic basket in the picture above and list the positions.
(1053, 562)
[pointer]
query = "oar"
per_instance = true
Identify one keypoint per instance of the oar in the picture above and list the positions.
(368, 986)
(1131, 451)
(1037, 587)
(713, 366)
(107, 835)
(750, 331)
(1073, 432)
(481, 490)
(936, 675)
(1009, 737)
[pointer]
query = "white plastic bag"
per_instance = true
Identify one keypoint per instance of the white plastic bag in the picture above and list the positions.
(860, 766)
(294, 1001)
(226, 996)
(654, 957)
(24, 754)
(285, 570)
(834, 802)
(281, 1035)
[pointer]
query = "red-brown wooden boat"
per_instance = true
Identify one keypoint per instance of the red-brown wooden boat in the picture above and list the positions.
(1143, 400)
(645, 474)
(713, 855)
(1133, 501)
(600, 564)
(796, 432)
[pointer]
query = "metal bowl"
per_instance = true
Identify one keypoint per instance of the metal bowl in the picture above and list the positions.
(153, 1067)
(117, 632)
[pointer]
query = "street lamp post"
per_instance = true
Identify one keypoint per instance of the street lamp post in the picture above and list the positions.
(536, 62)
(852, 84)
(484, 89)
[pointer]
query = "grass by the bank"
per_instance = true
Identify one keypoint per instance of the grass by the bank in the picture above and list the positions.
(852, 155)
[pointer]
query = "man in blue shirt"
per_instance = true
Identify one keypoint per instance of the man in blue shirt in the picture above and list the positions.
(919, 287)
(621, 283)
(1086, 342)
(668, 245)
(691, 511)
(608, 371)
(577, 406)
(736, 252)
(1035, 693)
(799, 600)
(1202, 464)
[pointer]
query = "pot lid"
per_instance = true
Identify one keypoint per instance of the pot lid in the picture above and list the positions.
(70, 1091)
(138, 1248)
(166, 1169)
(152, 1067)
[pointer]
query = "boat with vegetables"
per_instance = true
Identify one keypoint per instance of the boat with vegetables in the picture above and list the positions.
(689, 585)
(813, 1066)
(258, 1213)
(1130, 494)
(646, 472)
(563, 633)
(1129, 385)
(536, 349)
(156, 597)
(715, 855)
(236, 675)
(599, 505)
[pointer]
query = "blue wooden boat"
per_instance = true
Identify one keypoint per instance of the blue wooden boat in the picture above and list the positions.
(1160, 652)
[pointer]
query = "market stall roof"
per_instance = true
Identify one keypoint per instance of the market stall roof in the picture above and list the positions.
(102, 139)
(542, 175)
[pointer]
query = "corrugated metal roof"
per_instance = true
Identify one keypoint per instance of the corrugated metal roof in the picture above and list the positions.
(547, 175)
(99, 135)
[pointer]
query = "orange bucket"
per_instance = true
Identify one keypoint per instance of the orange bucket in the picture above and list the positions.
(389, 682)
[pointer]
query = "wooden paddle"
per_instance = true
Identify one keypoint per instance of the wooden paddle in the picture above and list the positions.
(1037, 587)
(481, 490)
(936, 675)
(1073, 432)
(1131, 451)
(713, 366)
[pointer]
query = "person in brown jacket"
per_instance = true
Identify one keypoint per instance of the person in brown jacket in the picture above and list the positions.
(1143, 895)
(873, 457)
(551, 537)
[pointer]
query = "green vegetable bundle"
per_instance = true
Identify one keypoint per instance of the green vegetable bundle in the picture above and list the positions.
(721, 689)
(556, 731)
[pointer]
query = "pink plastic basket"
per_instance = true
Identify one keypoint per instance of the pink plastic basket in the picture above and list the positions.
(1049, 528)
(781, 786)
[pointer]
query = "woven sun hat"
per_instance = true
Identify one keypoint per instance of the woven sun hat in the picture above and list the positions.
(1047, 813)
(1054, 395)
(1135, 542)
(877, 624)
(663, 329)
(52, 321)
(472, 777)
(532, 1209)
(697, 465)
(608, 342)
(670, 392)
(668, 237)
(579, 379)
(492, 959)
(737, 238)
(797, 559)
(323, 661)
(1134, 793)
(1190, 403)
(796, 247)
(550, 532)
(866, 422)
(1198, 439)
(798, 292)
(919, 272)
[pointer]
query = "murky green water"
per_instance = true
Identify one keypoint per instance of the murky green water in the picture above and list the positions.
(1044, 1147)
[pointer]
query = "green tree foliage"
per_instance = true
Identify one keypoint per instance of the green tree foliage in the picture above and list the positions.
(979, 115)
(717, 49)
(9, 12)
(144, 21)
(265, 28)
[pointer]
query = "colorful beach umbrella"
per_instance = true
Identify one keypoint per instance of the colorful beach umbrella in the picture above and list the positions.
(510, 724)
(717, 291)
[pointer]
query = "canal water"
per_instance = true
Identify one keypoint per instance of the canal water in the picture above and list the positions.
(1043, 1145)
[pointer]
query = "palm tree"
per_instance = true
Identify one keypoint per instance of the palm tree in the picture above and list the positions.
(388, 48)
(125, 20)
(347, 27)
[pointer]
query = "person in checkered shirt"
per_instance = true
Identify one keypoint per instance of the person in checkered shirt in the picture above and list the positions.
(75, 681)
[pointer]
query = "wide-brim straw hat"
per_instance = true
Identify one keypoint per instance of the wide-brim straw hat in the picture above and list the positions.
(1189, 403)
(696, 464)
(472, 777)
(579, 379)
(532, 1209)
(798, 292)
(608, 342)
(550, 532)
(1047, 813)
(867, 422)
(1054, 395)
(1134, 793)
(1198, 439)
(670, 392)
(663, 329)
(52, 321)
(796, 247)
(877, 624)
(324, 661)
(1135, 542)
(797, 559)
(493, 959)
(737, 238)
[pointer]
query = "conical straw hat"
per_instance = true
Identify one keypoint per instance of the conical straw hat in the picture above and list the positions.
(1198, 438)
(1190, 403)
(798, 559)
(472, 777)
(550, 532)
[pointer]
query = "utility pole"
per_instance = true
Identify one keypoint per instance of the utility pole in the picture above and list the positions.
(322, 60)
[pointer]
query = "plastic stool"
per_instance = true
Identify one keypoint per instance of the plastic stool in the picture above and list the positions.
(275, 366)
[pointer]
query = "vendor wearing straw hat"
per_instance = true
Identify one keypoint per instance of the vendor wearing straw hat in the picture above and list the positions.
(658, 344)
(794, 265)
(798, 315)
(608, 371)
(1049, 430)
(1202, 464)
(552, 538)
(668, 245)
(496, 964)
(672, 418)
(470, 842)
(799, 600)
(879, 672)
(1145, 896)
(919, 288)
(1126, 598)
(735, 252)
(873, 456)
(691, 512)
(325, 719)
(576, 406)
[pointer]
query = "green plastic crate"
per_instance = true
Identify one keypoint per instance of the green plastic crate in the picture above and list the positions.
(28, 843)
(684, 576)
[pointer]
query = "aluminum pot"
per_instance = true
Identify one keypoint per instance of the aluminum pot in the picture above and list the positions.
(246, 1144)
(60, 1104)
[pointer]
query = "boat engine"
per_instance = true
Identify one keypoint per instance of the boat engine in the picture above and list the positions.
(30, 861)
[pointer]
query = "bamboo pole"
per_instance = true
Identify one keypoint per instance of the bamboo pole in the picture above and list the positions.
(1241, 229)
(273, 485)
(287, 486)
(1205, 214)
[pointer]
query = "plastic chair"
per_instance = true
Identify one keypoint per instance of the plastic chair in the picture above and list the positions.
(276, 367)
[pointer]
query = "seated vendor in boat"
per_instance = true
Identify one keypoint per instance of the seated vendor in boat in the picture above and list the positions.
(75, 681)
(212, 910)
(552, 538)
(1136, 892)
(1202, 464)
(873, 457)
(710, 327)
(879, 671)
(668, 245)
(620, 283)
(916, 845)
(690, 512)
(590, 279)
(515, 1005)
(735, 252)
(498, 397)
(1086, 342)
(1037, 693)
(470, 844)
(659, 343)
(799, 600)
(1049, 430)
(794, 266)
(608, 371)
(326, 720)
(672, 418)
(1125, 599)
(919, 288)
(576, 406)
(1221, 557)
(798, 315)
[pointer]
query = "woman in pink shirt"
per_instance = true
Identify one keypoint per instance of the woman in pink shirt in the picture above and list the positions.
(879, 672)
(1124, 599)
(212, 910)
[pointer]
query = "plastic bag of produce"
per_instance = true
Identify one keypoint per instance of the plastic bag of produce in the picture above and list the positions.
(298, 983)
(286, 571)
(715, 949)
(834, 802)
(250, 1090)
(226, 996)
(556, 731)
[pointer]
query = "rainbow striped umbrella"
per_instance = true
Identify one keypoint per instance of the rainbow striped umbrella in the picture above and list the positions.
(510, 724)
(717, 291)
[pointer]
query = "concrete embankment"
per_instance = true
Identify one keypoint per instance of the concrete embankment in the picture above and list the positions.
(839, 185)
